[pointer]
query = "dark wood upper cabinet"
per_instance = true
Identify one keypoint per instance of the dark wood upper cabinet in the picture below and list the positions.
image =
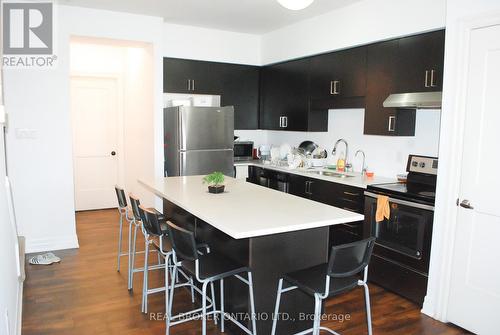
(420, 63)
(296, 95)
(337, 78)
(238, 85)
(187, 76)
(285, 98)
(381, 71)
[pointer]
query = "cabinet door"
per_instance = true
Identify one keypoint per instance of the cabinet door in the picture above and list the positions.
(240, 88)
(188, 76)
(297, 186)
(420, 63)
(381, 73)
(323, 191)
(176, 75)
(339, 74)
(285, 94)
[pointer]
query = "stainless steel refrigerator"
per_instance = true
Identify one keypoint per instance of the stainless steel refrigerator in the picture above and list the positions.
(198, 140)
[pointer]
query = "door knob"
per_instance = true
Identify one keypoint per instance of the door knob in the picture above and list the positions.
(113, 153)
(466, 204)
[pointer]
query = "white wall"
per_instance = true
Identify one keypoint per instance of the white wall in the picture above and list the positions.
(210, 44)
(41, 168)
(132, 64)
(360, 23)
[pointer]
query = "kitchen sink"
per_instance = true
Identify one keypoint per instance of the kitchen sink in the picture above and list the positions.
(331, 174)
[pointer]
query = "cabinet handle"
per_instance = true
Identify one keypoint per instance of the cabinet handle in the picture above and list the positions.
(392, 123)
(427, 78)
(281, 121)
(333, 87)
(285, 121)
(193, 84)
(189, 84)
(350, 193)
(433, 84)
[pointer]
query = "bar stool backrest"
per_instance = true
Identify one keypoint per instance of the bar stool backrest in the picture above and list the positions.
(349, 259)
(135, 203)
(150, 221)
(120, 194)
(183, 242)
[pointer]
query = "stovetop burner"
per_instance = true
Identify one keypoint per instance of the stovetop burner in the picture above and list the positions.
(421, 181)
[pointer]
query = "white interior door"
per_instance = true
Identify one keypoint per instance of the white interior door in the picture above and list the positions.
(475, 287)
(96, 117)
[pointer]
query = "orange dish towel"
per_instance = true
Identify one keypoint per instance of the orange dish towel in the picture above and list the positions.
(383, 210)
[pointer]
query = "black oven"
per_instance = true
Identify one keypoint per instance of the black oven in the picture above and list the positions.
(243, 151)
(400, 260)
(406, 236)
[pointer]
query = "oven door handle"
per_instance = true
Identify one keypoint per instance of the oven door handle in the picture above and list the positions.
(402, 202)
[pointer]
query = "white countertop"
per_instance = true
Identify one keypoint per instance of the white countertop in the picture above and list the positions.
(247, 210)
(357, 181)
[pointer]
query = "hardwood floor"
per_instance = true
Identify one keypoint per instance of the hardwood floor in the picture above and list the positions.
(84, 294)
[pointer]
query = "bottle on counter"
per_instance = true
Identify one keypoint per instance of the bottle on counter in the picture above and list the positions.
(341, 162)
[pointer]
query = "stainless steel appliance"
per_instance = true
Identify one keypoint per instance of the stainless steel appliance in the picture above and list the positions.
(243, 150)
(400, 260)
(198, 140)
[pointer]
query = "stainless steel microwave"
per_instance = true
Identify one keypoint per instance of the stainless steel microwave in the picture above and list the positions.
(243, 150)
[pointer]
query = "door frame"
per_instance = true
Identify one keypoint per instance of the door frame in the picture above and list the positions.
(120, 127)
(450, 159)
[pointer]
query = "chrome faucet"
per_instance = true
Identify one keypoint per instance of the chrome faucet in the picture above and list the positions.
(363, 167)
(347, 165)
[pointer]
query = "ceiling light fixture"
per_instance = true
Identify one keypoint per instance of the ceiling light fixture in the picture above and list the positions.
(295, 4)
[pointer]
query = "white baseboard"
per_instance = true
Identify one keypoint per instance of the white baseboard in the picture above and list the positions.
(49, 244)
(19, 321)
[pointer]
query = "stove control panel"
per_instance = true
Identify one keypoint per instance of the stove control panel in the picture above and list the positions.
(422, 164)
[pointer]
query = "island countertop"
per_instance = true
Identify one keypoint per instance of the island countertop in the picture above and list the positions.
(246, 210)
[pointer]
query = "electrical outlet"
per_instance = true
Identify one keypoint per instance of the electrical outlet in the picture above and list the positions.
(26, 133)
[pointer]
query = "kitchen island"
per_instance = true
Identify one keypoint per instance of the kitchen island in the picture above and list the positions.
(270, 231)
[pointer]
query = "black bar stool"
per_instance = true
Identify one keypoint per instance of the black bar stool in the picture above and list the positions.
(207, 269)
(137, 223)
(155, 229)
(339, 275)
(124, 214)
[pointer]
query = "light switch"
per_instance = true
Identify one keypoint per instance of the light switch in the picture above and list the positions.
(26, 133)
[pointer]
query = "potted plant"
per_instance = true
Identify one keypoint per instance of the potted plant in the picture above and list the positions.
(215, 182)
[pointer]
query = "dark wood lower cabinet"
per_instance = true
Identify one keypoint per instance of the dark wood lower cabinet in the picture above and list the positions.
(335, 194)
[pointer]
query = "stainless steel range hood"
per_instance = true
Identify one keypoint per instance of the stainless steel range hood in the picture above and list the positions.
(418, 100)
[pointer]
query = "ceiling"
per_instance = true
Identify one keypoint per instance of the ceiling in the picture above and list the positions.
(247, 16)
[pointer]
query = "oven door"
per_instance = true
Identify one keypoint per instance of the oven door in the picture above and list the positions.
(405, 237)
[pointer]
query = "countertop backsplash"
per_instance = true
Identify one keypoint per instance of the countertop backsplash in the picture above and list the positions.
(386, 156)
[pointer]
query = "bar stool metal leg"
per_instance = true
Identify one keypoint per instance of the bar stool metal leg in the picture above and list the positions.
(204, 309)
(132, 257)
(252, 303)
(120, 240)
(213, 301)
(317, 314)
(223, 315)
(145, 278)
(277, 307)
(129, 270)
(368, 309)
